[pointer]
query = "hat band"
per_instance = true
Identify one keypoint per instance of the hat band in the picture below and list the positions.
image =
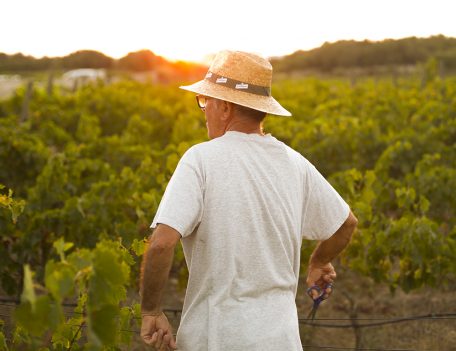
(237, 85)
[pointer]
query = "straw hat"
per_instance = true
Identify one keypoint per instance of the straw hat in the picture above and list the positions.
(241, 78)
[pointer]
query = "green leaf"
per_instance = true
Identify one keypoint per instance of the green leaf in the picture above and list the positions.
(59, 279)
(136, 310)
(46, 315)
(80, 259)
(28, 293)
(17, 207)
(110, 274)
(125, 318)
(103, 325)
(101, 291)
(61, 247)
(108, 265)
(138, 246)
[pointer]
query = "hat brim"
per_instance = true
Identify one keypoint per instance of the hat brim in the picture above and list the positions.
(257, 102)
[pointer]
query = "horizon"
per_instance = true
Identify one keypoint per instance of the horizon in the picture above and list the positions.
(179, 30)
(205, 61)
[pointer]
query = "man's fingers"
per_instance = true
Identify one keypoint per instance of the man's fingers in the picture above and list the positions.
(172, 343)
(159, 341)
(147, 339)
(157, 332)
(329, 277)
(147, 330)
(166, 342)
(328, 292)
(154, 338)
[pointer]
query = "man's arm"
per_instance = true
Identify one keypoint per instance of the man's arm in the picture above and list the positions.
(157, 262)
(321, 271)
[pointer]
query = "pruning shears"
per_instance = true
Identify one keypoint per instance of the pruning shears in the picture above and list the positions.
(321, 295)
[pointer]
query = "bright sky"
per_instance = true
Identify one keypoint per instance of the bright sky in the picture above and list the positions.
(191, 30)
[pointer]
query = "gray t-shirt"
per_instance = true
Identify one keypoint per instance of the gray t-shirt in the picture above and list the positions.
(242, 204)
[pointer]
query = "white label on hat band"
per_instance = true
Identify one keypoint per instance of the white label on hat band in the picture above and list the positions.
(242, 86)
(238, 85)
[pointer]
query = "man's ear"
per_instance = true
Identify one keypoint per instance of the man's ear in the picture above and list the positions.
(227, 109)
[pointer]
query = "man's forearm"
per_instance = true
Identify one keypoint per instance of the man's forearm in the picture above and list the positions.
(156, 265)
(327, 250)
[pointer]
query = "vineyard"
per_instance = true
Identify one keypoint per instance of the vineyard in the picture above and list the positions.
(82, 174)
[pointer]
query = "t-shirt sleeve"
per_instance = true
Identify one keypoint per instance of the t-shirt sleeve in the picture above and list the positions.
(324, 210)
(181, 206)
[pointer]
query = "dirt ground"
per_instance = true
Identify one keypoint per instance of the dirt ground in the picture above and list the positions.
(359, 297)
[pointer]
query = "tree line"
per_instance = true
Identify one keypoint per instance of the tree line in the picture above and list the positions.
(329, 57)
(139, 61)
(366, 54)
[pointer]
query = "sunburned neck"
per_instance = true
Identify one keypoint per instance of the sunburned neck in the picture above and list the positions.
(247, 128)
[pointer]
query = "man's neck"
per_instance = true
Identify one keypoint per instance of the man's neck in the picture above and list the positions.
(243, 127)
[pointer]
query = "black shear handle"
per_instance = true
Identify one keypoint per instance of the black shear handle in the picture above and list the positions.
(321, 294)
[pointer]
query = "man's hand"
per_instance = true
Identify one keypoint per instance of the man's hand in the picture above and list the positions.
(157, 260)
(321, 276)
(321, 272)
(157, 332)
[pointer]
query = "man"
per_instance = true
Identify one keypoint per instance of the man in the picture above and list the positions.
(241, 205)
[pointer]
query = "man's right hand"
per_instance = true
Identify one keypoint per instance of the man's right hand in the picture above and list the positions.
(157, 332)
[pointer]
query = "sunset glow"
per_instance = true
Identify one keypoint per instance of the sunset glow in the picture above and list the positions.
(191, 30)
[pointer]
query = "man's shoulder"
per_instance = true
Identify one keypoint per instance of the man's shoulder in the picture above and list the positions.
(205, 147)
(197, 153)
(294, 154)
(201, 147)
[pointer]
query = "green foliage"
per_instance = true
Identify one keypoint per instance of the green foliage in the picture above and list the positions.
(15, 207)
(89, 169)
(98, 278)
(37, 317)
(23, 152)
(138, 247)
(389, 149)
(3, 346)
(96, 161)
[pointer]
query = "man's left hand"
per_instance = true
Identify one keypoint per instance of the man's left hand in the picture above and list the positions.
(321, 276)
